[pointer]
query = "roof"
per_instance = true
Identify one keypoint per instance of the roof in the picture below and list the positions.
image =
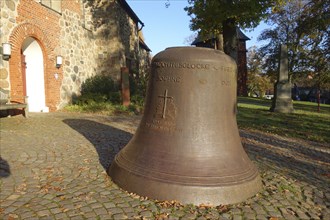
(240, 36)
(130, 11)
(199, 39)
(144, 45)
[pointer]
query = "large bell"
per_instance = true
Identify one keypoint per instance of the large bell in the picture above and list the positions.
(187, 146)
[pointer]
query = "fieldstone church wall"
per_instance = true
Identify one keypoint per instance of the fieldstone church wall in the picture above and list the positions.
(93, 37)
(8, 14)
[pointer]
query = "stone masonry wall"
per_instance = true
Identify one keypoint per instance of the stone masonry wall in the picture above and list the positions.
(93, 37)
(8, 19)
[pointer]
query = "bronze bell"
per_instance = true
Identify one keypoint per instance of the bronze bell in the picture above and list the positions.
(187, 146)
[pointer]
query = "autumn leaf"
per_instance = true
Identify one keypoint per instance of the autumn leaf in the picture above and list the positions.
(222, 208)
(162, 216)
(12, 216)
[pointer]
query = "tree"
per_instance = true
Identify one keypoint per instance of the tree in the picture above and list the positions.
(304, 26)
(258, 82)
(314, 31)
(284, 22)
(219, 18)
(314, 28)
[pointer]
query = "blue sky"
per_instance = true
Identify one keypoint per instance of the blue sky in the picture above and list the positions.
(169, 27)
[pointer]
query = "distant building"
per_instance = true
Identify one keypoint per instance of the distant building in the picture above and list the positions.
(91, 37)
(242, 89)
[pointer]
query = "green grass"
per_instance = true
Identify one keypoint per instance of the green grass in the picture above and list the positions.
(305, 123)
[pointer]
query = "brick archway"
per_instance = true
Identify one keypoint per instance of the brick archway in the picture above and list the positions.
(52, 86)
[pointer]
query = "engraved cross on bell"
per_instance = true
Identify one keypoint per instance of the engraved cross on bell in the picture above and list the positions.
(165, 97)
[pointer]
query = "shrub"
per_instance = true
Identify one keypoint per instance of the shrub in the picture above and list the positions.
(99, 88)
(100, 84)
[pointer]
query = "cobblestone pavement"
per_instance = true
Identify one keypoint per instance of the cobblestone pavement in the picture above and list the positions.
(53, 167)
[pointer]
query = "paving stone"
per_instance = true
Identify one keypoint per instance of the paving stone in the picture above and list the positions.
(101, 211)
(123, 205)
(86, 209)
(109, 205)
(172, 217)
(120, 216)
(72, 213)
(134, 203)
(146, 214)
(14, 197)
(275, 214)
(249, 216)
(61, 216)
(52, 205)
(55, 210)
(247, 210)
(43, 213)
(237, 217)
(105, 217)
(289, 217)
(236, 211)
(313, 216)
(89, 214)
(270, 208)
(45, 202)
(128, 209)
(95, 205)
(285, 202)
(77, 217)
(10, 209)
(326, 215)
(46, 218)
(27, 214)
(302, 215)
(189, 216)
(114, 211)
(214, 214)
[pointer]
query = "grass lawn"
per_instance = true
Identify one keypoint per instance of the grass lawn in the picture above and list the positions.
(305, 123)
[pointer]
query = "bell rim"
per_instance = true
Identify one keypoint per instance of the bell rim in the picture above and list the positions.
(186, 194)
(238, 176)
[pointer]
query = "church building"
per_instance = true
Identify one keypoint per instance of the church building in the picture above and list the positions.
(50, 47)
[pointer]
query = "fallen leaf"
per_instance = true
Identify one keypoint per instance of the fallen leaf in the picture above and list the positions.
(222, 208)
(12, 216)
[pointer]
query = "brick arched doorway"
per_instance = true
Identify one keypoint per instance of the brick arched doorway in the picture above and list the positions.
(18, 86)
(33, 69)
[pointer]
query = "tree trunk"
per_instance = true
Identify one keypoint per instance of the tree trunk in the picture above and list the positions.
(219, 42)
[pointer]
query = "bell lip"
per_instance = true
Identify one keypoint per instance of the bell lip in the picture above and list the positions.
(185, 194)
(240, 176)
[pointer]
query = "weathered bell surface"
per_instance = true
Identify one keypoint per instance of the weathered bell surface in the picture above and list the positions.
(187, 146)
